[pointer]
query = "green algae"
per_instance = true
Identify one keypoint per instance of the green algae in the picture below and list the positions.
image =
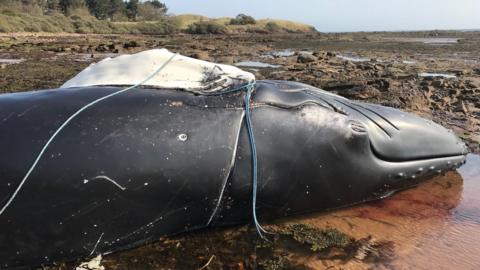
(317, 239)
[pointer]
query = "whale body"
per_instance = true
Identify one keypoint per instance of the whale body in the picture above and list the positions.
(153, 162)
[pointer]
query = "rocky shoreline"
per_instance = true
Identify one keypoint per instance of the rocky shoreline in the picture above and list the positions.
(434, 75)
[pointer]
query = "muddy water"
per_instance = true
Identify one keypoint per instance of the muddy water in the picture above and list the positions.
(433, 226)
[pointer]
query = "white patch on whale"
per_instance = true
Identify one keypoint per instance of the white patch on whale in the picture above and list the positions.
(183, 72)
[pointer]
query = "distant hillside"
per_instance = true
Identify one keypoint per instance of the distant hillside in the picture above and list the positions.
(185, 20)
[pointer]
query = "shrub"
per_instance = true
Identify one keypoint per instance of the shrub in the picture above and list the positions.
(243, 19)
(161, 27)
(272, 27)
(206, 27)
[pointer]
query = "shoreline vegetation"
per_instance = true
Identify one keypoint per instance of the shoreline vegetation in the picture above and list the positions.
(130, 17)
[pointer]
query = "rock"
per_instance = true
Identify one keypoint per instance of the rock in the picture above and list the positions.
(472, 84)
(403, 76)
(320, 54)
(82, 49)
(381, 84)
(424, 83)
(446, 101)
(454, 92)
(210, 48)
(101, 48)
(428, 89)
(306, 58)
(130, 44)
(438, 82)
(331, 54)
(3, 66)
(225, 60)
(201, 55)
(75, 48)
(346, 89)
(364, 66)
(459, 106)
(457, 72)
(379, 67)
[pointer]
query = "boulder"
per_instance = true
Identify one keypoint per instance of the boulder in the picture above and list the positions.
(472, 84)
(306, 58)
(131, 44)
(459, 106)
(225, 60)
(438, 83)
(201, 55)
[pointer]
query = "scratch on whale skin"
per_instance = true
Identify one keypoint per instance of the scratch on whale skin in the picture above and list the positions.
(105, 178)
(26, 111)
(96, 244)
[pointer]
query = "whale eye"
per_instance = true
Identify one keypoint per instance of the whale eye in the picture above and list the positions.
(357, 126)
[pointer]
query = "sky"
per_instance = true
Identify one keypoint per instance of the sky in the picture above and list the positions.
(346, 15)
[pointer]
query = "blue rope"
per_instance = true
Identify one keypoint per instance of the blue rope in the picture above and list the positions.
(248, 116)
(253, 146)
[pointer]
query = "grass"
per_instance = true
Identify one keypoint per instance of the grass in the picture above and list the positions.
(79, 21)
(185, 20)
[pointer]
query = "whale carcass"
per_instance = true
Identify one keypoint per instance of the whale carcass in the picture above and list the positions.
(141, 146)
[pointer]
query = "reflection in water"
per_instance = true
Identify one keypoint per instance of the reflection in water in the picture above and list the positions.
(433, 226)
(11, 61)
(255, 64)
(353, 58)
(432, 41)
(446, 76)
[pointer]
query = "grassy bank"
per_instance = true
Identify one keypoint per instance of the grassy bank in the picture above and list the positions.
(184, 21)
(82, 22)
(78, 22)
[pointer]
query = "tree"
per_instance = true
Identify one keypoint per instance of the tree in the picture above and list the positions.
(52, 6)
(105, 9)
(152, 10)
(116, 6)
(132, 9)
(159, 6)
(66, 5)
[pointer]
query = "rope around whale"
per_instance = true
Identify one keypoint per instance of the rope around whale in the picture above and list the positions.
(248, 119)
(251, 136)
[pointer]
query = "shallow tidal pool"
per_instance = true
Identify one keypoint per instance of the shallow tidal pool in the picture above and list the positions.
(435, 225)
